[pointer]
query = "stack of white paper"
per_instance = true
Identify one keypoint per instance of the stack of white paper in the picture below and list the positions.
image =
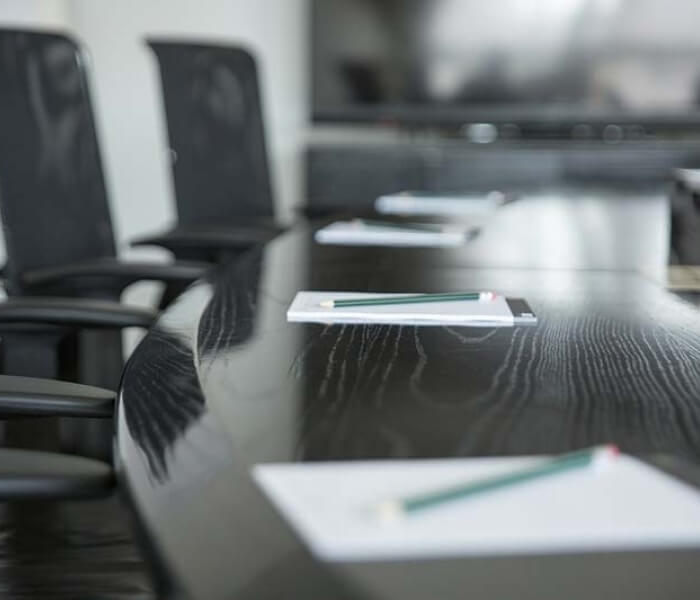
(307, 308)
(360, 233)
(423, 203)
(629, 505)
(691, 177)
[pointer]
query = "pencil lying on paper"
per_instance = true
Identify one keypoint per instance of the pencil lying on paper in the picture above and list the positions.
(394, 508)
(417, 299)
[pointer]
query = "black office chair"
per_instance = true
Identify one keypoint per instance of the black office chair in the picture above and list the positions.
(58, 230)
(74, 339)
(36, 397)
(37, 335)
(217, 144)
(36, 475)
(685, 217)
(31, 474)
(54, 205)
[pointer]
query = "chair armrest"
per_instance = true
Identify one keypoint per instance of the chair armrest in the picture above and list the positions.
(32, 475)
(212, 238)
(73, 312)
(30, 396)
(110, 274)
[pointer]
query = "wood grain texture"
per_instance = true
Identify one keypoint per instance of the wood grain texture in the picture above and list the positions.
(224, 382)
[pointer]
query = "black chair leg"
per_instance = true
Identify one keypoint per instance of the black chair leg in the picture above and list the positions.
(100, 362)
(92, 357)
(32, 355)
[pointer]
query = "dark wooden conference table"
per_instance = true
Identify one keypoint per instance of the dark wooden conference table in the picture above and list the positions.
(223, 382)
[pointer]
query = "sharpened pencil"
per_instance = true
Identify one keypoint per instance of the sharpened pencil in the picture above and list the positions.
(396, 508)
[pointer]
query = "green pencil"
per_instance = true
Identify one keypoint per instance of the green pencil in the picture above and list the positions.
(416, 299)
(395, 508)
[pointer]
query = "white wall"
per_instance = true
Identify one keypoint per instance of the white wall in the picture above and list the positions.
(47, 13)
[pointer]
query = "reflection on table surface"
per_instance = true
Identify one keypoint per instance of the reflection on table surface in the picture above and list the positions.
(613, 358)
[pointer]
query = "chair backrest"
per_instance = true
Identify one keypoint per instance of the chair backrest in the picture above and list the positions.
(52, 194)
(215, 131)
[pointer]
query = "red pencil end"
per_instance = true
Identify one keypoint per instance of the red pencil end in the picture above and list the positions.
(613, 449)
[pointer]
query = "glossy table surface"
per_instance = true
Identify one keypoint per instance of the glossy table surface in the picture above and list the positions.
(223, 382)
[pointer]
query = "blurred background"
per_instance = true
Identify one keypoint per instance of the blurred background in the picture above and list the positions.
(366, 97)
(576, 70)
(545, 59)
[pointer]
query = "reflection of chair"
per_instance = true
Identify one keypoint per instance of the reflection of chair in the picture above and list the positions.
(29, 474)
(158, 415)
(217, 141)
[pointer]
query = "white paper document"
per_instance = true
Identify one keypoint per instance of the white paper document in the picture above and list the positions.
(422, 203)
(358, 233)
(691, 177)
(307, 308)
(628, 505)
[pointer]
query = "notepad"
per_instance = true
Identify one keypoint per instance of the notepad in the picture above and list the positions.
(425, 203)
(627, 506)
(307, 308)
(691, 177)
(359, 233)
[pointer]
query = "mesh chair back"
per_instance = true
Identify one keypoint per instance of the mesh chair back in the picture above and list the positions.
(52, 194)
(215, 131)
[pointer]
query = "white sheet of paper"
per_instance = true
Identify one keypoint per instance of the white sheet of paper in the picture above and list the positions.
(691, 177)
(407, 203)
(358, 234)
(628, 505)
(307, 308)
